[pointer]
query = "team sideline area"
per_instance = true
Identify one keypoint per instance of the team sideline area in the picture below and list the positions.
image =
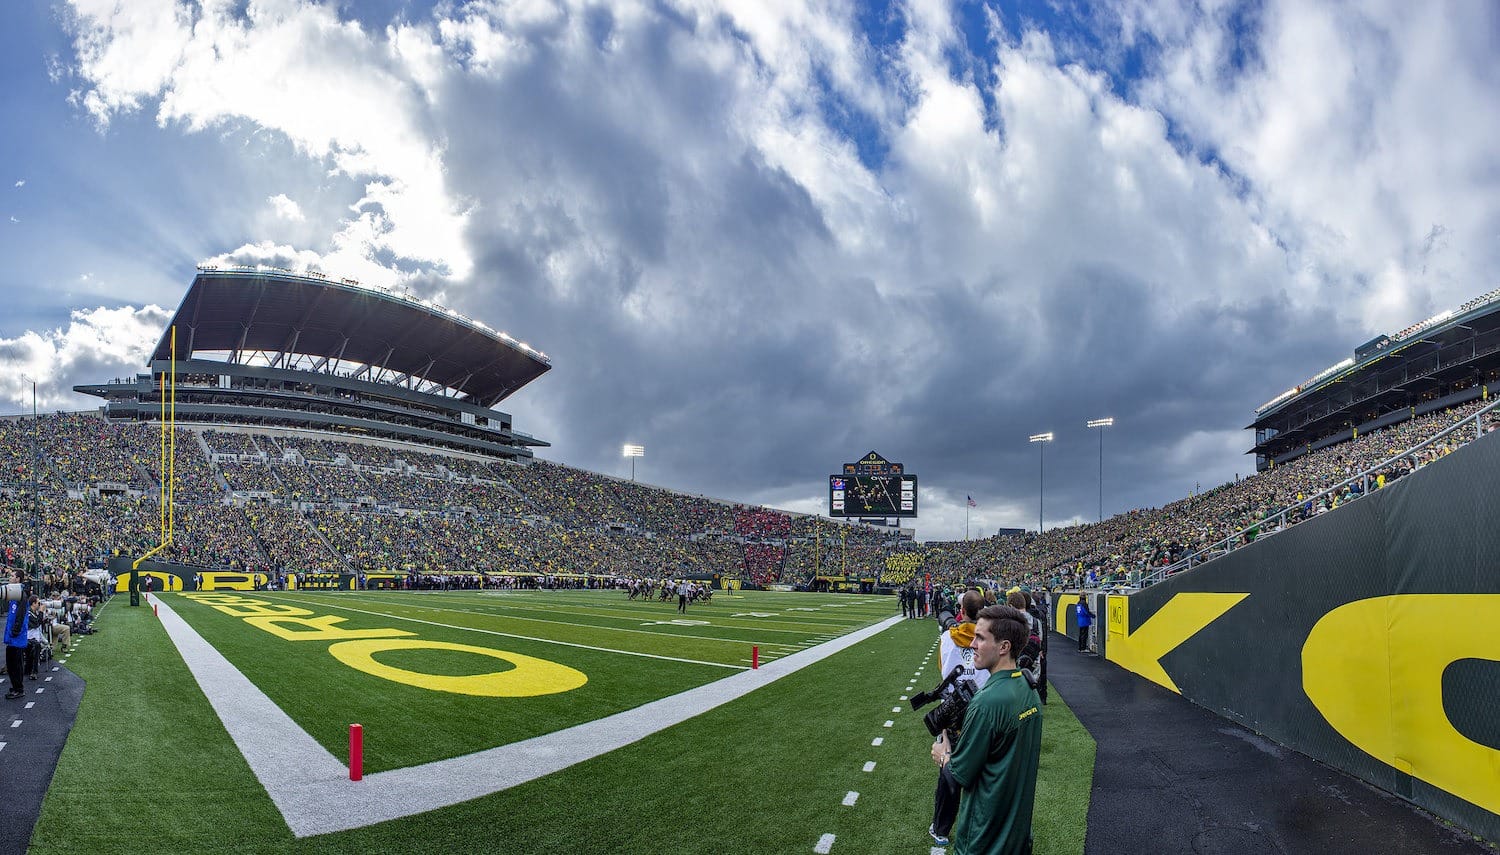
(829, 748)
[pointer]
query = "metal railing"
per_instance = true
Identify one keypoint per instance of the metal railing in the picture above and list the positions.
(1364, 479)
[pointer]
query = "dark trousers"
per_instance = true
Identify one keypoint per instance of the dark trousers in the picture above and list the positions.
(682, 603)
(33, 658)
(15, 662)
(945, 803)
(1083, 638)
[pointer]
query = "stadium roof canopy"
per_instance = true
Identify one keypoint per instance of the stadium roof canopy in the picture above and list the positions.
(243, 311)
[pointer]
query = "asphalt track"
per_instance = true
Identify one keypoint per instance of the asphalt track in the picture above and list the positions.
(1172, 777)
(32, 748)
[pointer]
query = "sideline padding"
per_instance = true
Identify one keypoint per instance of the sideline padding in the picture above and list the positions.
(1367, 638)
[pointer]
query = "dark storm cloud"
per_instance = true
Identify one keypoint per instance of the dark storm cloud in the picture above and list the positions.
(678, 204)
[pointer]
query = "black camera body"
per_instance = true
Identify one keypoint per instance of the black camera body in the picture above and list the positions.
(948, 715)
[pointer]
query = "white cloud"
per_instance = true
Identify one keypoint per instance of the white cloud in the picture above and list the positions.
(21, 182)
(728, 197)
(96, 346)
(285, 208)
(14, 220)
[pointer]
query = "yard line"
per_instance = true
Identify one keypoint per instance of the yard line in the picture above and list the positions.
(877, 741)
(607, 616)
(870, 766)
(740, 641)
(532, 637)
(609, 611)
(823, 847)
(850, 798)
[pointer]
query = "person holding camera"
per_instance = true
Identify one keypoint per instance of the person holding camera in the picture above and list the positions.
(16, 642)
(995, 761)
(956, 649)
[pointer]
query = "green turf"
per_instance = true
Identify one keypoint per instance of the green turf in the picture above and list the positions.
(150, 767)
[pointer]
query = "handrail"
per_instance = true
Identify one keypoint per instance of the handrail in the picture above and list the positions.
(1224, 546)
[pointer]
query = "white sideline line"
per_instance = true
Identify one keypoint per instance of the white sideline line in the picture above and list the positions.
(532, 637)
(312, 789)
(823, 847)
(850, 798)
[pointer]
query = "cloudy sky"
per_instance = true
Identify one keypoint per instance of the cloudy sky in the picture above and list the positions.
(763, 238)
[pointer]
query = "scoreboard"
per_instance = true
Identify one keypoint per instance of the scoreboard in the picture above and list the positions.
(873, 487)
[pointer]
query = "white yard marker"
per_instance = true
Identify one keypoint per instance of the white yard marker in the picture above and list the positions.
(825, 843)
(895, 709)
(850, 798)
(16, 723)
(48, 680)
(30, 704)
(2, 746)
(54, 667)
(870, 766)
(903, 697)
(888, 724)
(877, 740)
(937, 850)
(39, 691)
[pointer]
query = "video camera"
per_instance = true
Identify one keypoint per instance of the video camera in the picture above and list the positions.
(949, 715)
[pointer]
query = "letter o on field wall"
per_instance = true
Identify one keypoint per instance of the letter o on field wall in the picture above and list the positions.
(529, 677)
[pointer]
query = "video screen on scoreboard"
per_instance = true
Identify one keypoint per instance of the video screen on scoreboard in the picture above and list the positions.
(872, 495)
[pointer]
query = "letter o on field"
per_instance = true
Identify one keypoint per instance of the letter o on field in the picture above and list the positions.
(530, 676)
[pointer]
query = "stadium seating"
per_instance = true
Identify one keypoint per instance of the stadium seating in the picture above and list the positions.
(324, 504)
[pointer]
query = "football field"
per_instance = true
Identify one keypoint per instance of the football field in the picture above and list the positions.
(515, 721)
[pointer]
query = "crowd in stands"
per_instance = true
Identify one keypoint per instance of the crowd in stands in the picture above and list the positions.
(226, 442)
(343, 506)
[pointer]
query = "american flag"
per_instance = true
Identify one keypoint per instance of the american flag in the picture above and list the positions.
(971, 501)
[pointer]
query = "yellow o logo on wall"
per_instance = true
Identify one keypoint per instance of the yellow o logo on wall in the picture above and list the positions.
(530, 676)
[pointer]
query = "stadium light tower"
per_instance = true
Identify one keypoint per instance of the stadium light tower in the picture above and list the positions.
(633, 451)
(1041, 481)
(1101, 424)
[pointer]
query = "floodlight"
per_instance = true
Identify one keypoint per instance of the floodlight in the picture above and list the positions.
(1041, 437)
(1093, 423)
(633, 451)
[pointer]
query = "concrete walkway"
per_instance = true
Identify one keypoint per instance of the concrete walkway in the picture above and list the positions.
(1171, 776)
(33, 730)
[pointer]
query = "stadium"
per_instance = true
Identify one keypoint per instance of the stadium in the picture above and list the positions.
(353, 611)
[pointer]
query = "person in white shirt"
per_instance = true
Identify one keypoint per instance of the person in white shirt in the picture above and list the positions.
(956, 648)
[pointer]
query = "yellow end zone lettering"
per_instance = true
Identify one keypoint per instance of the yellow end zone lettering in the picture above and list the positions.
(529, 678)
(318, 629)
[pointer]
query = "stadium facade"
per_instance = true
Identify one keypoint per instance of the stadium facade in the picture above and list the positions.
(1447, 360)
(267, 346)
